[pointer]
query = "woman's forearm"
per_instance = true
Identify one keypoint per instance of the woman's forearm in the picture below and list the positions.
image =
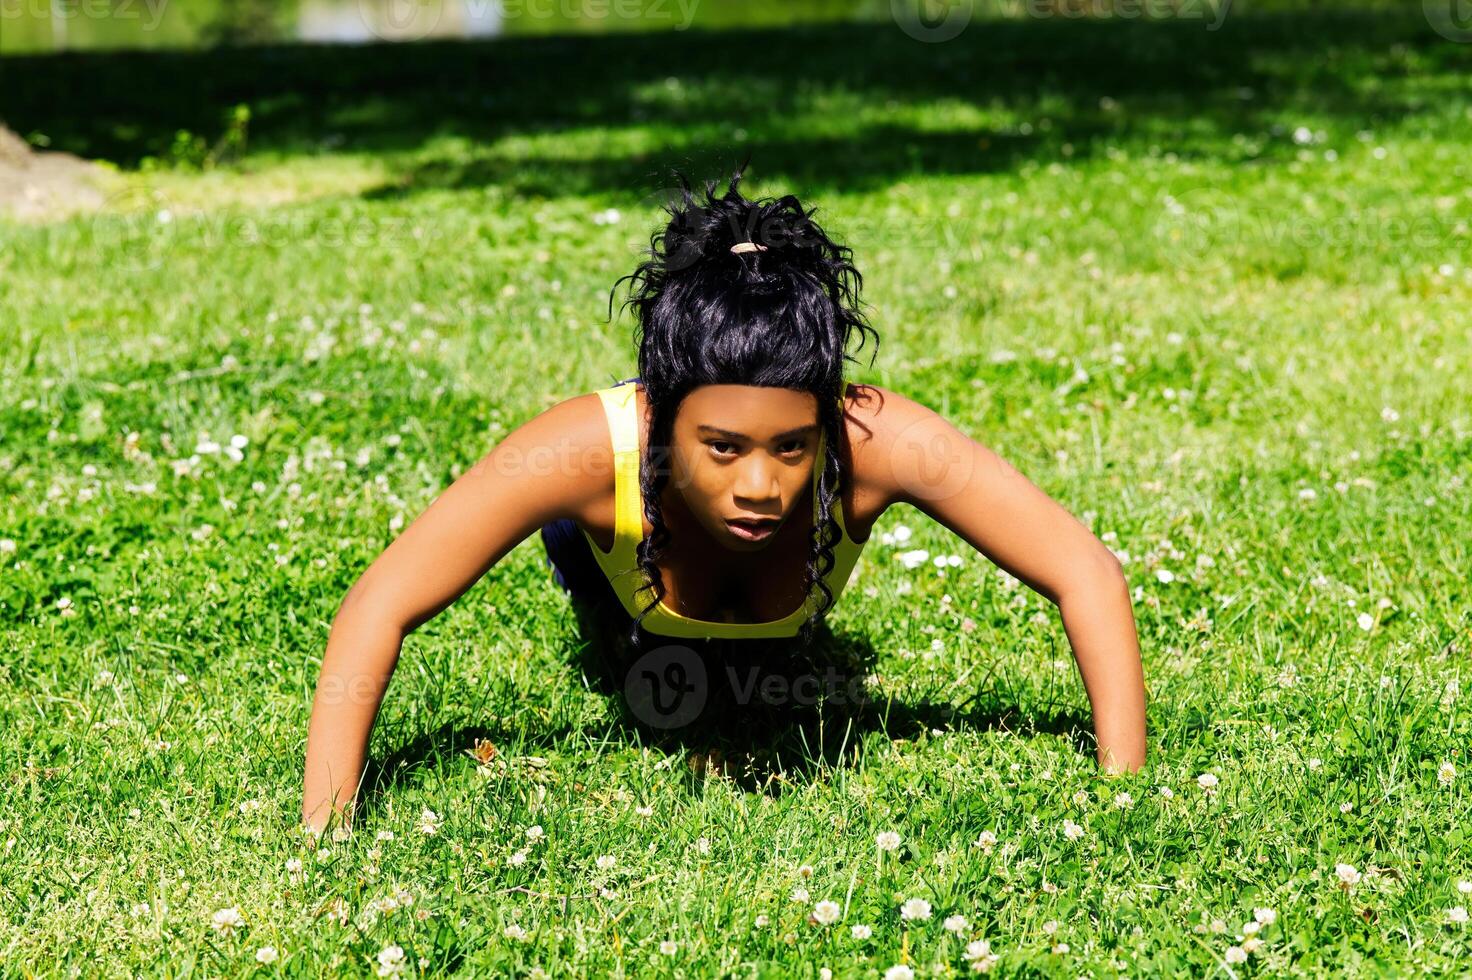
(362, 651)
(1100, 623)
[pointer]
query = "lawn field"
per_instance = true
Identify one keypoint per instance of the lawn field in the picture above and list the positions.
(1210, 290)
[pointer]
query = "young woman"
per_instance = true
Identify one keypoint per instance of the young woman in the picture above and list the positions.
(725, 491)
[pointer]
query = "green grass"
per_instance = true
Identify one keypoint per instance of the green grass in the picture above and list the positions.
(1099, 248)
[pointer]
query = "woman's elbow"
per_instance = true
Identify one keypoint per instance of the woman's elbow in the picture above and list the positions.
(1098, 570)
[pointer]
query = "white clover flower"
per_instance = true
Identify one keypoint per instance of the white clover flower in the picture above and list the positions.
(390, 961)
(1446, 773)
(913, 559)
(1236, 954)
(429, 822)
(799, 895)
(1366, 621)
(535, 832)
(644, 811)
(979, 954)
(1072, 830)
(669, 947)
(1265, 916)
(887, 840)
(1252, 944)
(899, 972)
(1208, 782)
(227, 920)
(861, 932)
(1347, 874)
(702, 845)
(1250, 926)
(826, 913)
(986, 840)
(517, 858)
(1465, 887)
(1080, 798)
(915, 908)
(266, 954)
(606, 861)
(1457, 915)
(1165, 576)
(956, 924)
(514, 931)
(1167, 792)
(1124, 801)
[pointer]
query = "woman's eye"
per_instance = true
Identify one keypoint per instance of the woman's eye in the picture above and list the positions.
(796, 446)
(717, 447)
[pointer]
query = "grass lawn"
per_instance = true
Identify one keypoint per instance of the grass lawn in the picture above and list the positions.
(1209, 290)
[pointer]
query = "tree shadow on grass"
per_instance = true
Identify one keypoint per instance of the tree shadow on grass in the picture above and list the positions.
(762, 713)
(1086, 84)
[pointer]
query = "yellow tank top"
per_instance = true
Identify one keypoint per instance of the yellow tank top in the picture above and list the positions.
(621, 565)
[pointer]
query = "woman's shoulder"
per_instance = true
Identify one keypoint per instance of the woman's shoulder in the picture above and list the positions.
(880, 423)
(873, 418)
(571, 438)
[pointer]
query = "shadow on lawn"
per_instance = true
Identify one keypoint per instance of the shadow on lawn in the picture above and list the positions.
(742, 709)
(798, 97)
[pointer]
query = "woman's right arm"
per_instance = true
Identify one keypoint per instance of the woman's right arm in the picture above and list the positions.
(558, 464)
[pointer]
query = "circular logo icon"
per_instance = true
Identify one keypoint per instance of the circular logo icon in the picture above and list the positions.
(1201, 229)
(931, 21)
(931, 459)
(667, 687)
(135, 229)
(666, 203)
(1452, 19)
(401, 20)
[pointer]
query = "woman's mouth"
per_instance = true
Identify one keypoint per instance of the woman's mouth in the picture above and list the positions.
(752, 530)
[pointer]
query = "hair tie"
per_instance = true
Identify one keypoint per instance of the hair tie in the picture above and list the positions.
(740, 247)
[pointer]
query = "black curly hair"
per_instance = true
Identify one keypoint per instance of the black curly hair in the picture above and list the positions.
(780, 317)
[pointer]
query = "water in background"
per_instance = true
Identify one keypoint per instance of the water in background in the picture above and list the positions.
(52, 25)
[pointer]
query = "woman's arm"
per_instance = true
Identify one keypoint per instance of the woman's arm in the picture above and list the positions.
(558, 464)
(915, 456)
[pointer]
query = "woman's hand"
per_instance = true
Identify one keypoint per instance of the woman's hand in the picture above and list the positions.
(559, 464)
(915, 456)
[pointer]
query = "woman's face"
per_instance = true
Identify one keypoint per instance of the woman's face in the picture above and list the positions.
(743, 458)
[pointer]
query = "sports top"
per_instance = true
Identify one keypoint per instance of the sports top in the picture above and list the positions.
(621, 565)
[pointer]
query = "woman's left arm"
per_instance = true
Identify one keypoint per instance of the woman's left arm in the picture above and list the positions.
(915, 456)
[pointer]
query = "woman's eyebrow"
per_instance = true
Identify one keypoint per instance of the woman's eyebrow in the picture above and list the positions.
(728, 434)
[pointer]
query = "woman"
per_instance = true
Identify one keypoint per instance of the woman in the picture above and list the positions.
(726, 491)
